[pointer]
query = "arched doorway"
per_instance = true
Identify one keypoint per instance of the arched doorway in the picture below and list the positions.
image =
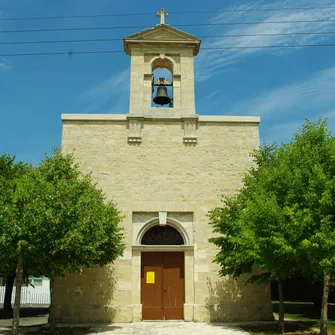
(162, 276)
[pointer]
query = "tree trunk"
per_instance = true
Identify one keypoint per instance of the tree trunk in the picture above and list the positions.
(7, 305)
(17, 303)
(324, 306)
(52, 312)
(281, 306)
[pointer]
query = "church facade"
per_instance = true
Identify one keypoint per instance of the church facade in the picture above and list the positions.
(165, 168)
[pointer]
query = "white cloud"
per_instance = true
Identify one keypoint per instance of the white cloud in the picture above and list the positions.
(5, 64)
(330, 117)
(284, 131)
(314, 94)
(209, 61)
(209, 102)
(111, 95)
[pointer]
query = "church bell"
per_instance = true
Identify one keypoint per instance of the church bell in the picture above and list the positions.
(162, 97)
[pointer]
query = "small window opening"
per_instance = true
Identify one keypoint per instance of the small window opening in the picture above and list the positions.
(162, 235)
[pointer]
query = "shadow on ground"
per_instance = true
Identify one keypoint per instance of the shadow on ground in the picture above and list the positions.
(298, 328)
(26, 312)
(305, 309)
(62, 331)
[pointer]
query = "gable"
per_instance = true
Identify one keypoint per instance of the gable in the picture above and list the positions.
(162, 31)
(162, 34)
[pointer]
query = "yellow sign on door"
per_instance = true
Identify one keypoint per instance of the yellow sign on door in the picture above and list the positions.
(150, 277)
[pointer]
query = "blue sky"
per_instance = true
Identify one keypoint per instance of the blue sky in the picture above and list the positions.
(283, 86)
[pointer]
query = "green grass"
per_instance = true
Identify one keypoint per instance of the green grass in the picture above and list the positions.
(301, 318)
(310, 321)
(294, 328)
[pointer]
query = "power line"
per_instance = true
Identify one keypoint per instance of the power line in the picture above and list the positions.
(176, 25)
(63, 41)
(254, 10)
(111, 65)
(70, 53)
(203, 37)
(273, 46)
(171, 13)
(73, 17)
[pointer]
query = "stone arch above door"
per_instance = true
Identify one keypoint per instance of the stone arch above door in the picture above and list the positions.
(184, 226)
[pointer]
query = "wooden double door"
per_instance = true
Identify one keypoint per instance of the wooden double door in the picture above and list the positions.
(162, 285)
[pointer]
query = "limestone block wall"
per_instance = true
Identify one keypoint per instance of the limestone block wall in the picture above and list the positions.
(162, 173)
(187, 80)
(136, 81)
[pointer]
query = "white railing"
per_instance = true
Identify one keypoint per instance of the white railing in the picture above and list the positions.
(29, 295)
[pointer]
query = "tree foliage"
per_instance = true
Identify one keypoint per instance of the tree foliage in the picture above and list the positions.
(10, 172)
(59, 221)
(283, 220)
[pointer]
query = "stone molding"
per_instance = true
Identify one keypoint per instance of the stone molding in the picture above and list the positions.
(94, 117)
(124, 117)
(135, 129)
(229, 119)
(166, 248)
(162, 218)
(190, 126)
(142, 228)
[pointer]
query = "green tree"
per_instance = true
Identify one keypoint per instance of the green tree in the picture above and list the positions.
(10, 171)
(59, 221)
(282, 221)
(250, 236)
(311, 156)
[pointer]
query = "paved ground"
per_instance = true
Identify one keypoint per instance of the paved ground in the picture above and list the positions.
(167, 328)
(138, 328)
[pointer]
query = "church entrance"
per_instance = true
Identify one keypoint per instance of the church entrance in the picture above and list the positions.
(162, 285)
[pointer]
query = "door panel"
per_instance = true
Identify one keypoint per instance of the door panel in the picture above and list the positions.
(173, 289)
(151, 295)
(162, 285)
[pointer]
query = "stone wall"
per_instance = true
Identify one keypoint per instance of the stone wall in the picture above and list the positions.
(162, 174)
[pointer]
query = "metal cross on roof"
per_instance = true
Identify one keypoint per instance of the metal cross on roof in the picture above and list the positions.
(162, 14)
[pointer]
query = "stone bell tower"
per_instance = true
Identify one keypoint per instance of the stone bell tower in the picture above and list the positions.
(164, 47)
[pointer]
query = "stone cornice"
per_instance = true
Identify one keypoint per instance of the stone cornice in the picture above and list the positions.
(158, 44)
(125, 117)
(229, 119)
(166, 248)
(94, 117)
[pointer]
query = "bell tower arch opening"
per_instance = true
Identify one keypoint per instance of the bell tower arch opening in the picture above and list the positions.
(162, 83)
